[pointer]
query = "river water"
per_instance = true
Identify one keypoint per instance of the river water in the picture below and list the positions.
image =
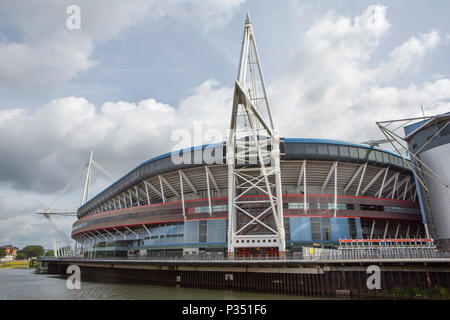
(25, 284)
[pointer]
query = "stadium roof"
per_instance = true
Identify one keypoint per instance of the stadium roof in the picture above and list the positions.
(294, 149)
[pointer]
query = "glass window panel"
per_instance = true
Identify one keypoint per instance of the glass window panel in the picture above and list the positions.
(362, 153)
(322, 148)
(333, 150)
(311, 149)
(297, 205)
(353, 152)
(344, 151)
(378, 156)
(300, 229)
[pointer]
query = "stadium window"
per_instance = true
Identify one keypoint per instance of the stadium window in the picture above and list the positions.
(344, 151)
(385, 157)
(333, 150)
(299, 149)
(362, 153)
(297, 205)
(379, 156)
(324, 205)
(371, 207)
(311, 149)
(322, 149)
(353, 152)
(391, 159)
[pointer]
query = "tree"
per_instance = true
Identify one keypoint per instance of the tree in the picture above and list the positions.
(50, 253)
(30, 251)
(2, 252)
(20, 255)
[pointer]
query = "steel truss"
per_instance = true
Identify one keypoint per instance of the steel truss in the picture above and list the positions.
(253, 159)
(417, 166)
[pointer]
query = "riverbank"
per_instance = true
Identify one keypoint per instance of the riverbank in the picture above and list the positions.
(19, 264)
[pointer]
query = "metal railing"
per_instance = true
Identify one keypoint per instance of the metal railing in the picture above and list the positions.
(325, 255)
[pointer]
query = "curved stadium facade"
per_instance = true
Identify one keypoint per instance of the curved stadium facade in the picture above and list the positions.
(332, 190)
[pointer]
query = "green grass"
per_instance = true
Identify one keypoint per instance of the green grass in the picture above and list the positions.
(21, 264)
(428, 293)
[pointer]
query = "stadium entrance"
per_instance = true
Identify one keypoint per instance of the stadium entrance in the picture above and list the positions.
(256, 252)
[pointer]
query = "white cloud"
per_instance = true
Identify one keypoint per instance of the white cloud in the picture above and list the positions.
(408, 53)
(332, 92)
(57, 137)
(57, 55)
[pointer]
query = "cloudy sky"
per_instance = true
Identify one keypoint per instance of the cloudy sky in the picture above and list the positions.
(137, 71)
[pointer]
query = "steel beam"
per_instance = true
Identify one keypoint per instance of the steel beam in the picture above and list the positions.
(175, 192)
(353, 178)
(374, 179)
(190, 184)
(211, 176)
(330, 173)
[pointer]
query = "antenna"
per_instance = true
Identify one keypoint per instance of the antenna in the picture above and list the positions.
(253, 158)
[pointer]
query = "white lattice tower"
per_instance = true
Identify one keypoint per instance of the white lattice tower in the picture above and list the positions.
(255, 207)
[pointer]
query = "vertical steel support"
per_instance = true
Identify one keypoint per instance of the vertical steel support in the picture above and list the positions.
(131, 198)
(137, 196)
(361, 180)
(395, 186)
(335, 190)
(386, 229)
(162, 189)
(231, 158)
(87, 182)
(209, 190)
(148, 231)
(406, 189)
(382, 184)
(304, 186)
(182, 194)
(373, 227)
(146, 192)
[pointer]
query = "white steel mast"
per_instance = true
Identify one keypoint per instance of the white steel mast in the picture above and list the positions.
(255, 204)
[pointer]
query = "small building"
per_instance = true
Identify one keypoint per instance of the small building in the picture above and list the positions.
(10, 250)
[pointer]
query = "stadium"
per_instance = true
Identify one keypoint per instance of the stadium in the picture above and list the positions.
(164, 209)
(261, 195)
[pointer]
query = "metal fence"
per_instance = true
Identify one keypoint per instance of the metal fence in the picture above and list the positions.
(314, 255)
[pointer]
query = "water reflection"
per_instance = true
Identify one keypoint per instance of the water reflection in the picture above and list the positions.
(25, 284)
